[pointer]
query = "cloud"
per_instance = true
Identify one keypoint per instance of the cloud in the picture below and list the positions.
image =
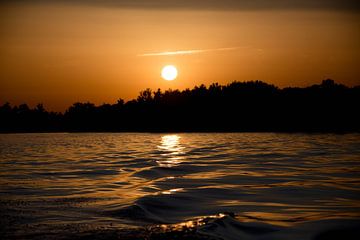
(184, 52)
(353, 5)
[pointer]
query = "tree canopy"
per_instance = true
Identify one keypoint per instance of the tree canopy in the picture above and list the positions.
(238, 106)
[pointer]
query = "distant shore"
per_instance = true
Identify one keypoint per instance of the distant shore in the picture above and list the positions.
(252, 106)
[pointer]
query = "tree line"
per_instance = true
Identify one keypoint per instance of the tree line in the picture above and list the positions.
(237, 106)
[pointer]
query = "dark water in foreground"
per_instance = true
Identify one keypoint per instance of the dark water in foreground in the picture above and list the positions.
(172, 186)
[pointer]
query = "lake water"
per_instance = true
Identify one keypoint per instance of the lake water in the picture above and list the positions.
(203, 186)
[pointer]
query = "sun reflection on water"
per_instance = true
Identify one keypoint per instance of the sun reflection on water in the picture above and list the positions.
(170, 151)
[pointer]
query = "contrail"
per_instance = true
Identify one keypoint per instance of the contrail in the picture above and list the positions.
(183, 52)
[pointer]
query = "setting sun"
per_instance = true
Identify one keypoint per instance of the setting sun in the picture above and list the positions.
(169, 72)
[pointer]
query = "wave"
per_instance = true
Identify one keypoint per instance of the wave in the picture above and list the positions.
(223, 226)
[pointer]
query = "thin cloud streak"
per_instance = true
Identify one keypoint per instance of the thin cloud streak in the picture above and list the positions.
(184, 52)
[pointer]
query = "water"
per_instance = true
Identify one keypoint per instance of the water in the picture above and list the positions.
(215, 185)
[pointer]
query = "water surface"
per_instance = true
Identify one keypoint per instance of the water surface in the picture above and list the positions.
(276, 185)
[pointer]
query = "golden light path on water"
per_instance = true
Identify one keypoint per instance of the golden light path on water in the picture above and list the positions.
(171, 151)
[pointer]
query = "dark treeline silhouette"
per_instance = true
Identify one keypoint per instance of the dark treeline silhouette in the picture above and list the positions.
(238, 106)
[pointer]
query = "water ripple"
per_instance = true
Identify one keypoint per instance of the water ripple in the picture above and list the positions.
(138, 179)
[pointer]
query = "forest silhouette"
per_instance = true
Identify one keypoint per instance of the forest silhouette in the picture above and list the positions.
(238, 106)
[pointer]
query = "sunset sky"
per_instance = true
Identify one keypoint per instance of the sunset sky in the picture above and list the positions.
(61, 52)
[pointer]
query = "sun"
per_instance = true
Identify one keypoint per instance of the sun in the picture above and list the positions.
(169, 72)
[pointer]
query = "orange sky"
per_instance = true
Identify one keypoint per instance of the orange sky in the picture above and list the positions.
(58, 54)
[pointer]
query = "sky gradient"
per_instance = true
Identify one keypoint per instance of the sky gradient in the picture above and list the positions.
(60, 52)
